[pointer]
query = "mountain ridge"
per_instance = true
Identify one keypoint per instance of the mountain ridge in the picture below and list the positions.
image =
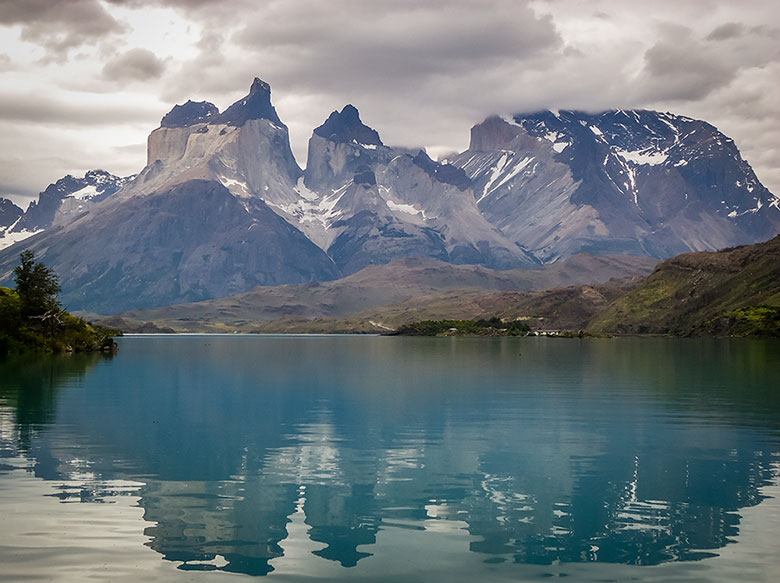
(531, 189)
(636, 182)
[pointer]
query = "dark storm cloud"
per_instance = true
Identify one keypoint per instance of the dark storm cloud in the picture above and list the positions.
(59, 25)
(134, 65)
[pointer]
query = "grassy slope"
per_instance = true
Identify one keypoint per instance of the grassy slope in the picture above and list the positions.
(702, 293)
(348, 304)
(559, 308)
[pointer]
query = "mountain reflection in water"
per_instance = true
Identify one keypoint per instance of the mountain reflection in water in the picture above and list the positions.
(634, 451)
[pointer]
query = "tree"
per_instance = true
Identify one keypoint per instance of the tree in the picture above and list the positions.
(37, 286)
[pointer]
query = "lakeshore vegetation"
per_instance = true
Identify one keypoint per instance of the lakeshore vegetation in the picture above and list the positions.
(32, 319)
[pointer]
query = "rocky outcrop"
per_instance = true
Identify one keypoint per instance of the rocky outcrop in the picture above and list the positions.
(340, 148)
(189, 114)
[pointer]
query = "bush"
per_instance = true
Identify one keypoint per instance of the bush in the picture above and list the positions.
(490, 327)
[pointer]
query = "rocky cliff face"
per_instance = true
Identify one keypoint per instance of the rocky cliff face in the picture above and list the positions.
(246, 148)
(385, 203)
(196, 223)
(637, 182)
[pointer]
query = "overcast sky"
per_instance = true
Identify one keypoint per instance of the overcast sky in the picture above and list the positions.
(83, 82)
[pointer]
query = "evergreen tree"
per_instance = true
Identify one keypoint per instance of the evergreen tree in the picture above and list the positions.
(37, 286)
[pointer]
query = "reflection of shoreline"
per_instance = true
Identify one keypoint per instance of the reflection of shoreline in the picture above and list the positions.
(30, 386)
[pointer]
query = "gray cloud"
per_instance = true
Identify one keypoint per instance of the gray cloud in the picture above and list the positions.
(406, 65)
(682, 67)
(208, 74)
(14, 173)
(134, 65)
(44, 110)
(421, 73)
(42, 155)
(350, 42)
(209, 12)
(189, 4)
(59, 25)
(727, 31)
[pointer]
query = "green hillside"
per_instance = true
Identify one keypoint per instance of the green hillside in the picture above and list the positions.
(734, 292)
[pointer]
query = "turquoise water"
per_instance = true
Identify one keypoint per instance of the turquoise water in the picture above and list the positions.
(393, 459)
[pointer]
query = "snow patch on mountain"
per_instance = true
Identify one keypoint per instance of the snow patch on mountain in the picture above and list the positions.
(504, 171)
(305, 193)
(88, 192)
(8, 237)
(645, 157)
(558, 143)
(238, 188)
(405, 208)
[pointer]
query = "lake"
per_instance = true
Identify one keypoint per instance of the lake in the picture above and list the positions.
(330, 458)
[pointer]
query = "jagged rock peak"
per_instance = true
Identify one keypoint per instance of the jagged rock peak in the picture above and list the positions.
(256, 105)
(446, 173)
(189, 113)
(260, 86)
(345, 127)
(9, 213)
(99, 177)
(495, 133)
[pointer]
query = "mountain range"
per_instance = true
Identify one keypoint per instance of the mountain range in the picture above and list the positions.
(222, 206)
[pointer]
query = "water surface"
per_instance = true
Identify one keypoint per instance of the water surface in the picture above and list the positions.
(377, 458)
